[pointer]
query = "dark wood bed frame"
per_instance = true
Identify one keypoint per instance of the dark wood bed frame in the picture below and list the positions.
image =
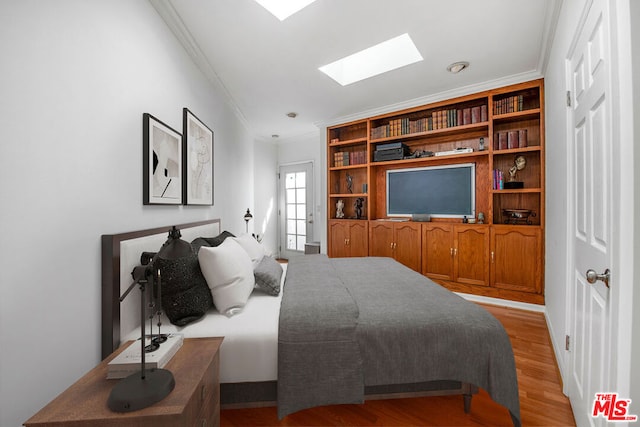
(243, 394)
(111, 280)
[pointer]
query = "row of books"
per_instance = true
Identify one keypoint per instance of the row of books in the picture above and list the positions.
(510, 104)
(510, 139)
(498, 179)
(440, 119)
(347, 158)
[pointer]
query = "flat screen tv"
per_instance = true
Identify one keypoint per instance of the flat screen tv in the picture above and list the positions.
(441, 191)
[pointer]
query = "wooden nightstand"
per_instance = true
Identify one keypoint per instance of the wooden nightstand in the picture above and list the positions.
(195, 400)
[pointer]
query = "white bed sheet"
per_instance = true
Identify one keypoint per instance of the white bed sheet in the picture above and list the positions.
(249, 351)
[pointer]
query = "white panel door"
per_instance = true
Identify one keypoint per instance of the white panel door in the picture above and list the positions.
(591, 215)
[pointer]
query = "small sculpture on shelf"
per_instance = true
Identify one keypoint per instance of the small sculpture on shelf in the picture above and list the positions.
(358, 205)
(518, 164)
(339, 209)
(349, 183)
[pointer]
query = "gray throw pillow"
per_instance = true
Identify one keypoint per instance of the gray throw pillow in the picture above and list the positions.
(268, 274)
(198, 242)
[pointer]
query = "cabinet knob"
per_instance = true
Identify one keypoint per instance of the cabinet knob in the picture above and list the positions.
(203, 392)
(492, 256)
(451, 251)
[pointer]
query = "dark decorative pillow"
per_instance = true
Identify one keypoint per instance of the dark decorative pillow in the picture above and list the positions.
(210, 241)
(268, 274)
(185, 294)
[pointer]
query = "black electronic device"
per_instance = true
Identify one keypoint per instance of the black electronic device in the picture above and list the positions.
(386, 155)
(391, 146)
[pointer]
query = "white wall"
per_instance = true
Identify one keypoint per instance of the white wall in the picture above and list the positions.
(75, 79)
(265, 209)
(311, 148)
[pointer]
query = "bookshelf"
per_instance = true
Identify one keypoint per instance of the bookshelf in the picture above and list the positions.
(504, 127)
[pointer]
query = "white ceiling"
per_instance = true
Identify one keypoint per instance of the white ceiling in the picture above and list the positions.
(269, 68)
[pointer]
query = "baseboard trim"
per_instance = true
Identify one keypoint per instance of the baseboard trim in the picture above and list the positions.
(503, 302)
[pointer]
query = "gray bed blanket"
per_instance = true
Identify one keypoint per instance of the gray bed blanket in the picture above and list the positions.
(347, 323)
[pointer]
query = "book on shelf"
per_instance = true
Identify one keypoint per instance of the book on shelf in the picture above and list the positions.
(510, 104)
(512, 139)
(466, 116)
(522, 138)
(502, 140)
(498, 179)
(475, 114)
(128, 362)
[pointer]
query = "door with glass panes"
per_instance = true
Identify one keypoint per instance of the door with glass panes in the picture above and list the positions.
(296, 210)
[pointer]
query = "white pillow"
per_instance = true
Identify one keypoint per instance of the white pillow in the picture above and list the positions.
(252, 247)
(229, 274)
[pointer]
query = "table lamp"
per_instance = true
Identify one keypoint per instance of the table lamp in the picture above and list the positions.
(144, 388)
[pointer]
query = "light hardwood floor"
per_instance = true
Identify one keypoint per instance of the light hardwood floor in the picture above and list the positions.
(541, 400)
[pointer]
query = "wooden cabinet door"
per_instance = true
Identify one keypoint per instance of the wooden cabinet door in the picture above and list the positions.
(358, 240)
(408, 244)
(516, 258)
(381, 239)
(338, 237)
(471, 255)
(437, 247)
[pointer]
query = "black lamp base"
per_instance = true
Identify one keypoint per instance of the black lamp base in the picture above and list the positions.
(134, 392)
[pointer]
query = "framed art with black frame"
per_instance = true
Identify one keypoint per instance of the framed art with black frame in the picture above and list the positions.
(198, 160)
(162, 163)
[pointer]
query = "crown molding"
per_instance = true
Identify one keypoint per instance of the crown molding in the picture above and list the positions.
(429, 99)
(549, 33)
(172, 19)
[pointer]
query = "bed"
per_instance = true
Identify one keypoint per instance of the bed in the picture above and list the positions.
(340, 331)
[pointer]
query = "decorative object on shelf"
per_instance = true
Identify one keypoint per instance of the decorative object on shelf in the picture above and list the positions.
(339, 209)
(197, 160)
(144, 388)
(349, 183)
(480, 217)
(518, 216)
(162, 163)
(518, 164)
(358, 205)
(247, 217)
(465, 220)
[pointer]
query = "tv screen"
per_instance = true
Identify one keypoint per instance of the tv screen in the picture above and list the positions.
(442, 191)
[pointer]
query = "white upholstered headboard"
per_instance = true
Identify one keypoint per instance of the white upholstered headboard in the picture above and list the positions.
(120, 254)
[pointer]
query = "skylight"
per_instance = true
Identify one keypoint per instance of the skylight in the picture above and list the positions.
(386, 56)
(282, 9)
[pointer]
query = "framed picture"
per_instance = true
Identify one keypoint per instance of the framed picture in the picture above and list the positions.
(198, 160)
(162, 163)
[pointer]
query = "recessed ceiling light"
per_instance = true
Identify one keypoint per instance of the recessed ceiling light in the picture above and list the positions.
(275, 135)
(386, 56)
(456, 67)
(282, 9)
(292, 115)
